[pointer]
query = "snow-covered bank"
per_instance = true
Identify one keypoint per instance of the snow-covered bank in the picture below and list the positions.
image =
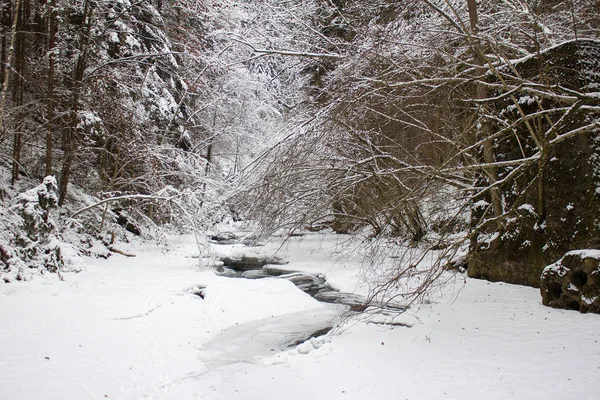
(131, 328)
(494, 342)
(126, 328)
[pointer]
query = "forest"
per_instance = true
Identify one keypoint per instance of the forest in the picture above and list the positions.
(465, 125)
(404, 187)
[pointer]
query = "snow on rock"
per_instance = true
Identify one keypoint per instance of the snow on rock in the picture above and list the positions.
(585, 253)
(573, 282)
(532, 236)
(459, 259)
(481, 204)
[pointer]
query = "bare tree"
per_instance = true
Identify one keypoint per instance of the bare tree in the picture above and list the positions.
(416, 103)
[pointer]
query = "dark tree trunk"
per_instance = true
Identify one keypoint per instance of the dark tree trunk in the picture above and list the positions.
(70, 134)
(50, 101)
(6, 24)
(19, 86)
(481, 93)
(7, 66)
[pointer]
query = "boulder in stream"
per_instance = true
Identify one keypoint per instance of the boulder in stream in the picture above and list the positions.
(248, 263)
(224, 238)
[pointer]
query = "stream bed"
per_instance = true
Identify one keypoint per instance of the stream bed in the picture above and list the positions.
(314, 285)
(245, 342)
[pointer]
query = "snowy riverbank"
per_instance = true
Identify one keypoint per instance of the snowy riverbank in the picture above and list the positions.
(135, 328)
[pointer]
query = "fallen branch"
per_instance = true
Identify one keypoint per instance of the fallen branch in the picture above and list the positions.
(391, 323)
(121, 252)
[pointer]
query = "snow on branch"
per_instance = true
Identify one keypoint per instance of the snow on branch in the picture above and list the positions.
(126, 197)
(289, 52)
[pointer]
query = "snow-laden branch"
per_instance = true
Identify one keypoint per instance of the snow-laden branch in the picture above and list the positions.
(126, 197)
(130, 59)
(289, 53)
(584, 129)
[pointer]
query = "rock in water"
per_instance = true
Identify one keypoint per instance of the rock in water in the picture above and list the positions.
(255, 274)
(247, 263)
(224, 238)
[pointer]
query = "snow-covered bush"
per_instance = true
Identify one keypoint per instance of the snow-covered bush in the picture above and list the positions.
(34, 207)
(30, 244)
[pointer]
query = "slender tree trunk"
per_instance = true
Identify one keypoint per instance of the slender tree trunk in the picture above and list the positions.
(50, 101)
(7, 66)
(16, 156)
(209, 157)
(6, 21)
(70, 134)
(473, 15)
(19, 87)
(209, 150)
(481, 93)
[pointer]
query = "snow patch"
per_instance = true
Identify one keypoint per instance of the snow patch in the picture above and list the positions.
(585, 253)
(481, 204)
(487, 238)
(556, 269)
(527, 207)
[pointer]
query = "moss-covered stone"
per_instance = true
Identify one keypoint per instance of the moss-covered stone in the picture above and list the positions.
(573, 282)
(552, 205)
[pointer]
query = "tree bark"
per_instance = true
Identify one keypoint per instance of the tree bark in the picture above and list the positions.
(6, 23)
(481, 93)
(70, 134)
(50, 99)
(7, 67)
(22, 11)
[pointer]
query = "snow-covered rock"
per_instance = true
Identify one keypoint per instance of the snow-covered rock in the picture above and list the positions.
(573, 282)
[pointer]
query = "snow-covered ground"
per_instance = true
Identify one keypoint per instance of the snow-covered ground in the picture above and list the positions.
(134, 328)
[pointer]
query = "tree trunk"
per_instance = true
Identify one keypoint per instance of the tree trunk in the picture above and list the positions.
(481, 93)
(50, 100)
(6, 23)
(19, 86)
(7, 67)
(70, 133)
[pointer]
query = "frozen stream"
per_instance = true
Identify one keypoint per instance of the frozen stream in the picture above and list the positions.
(265, 337)
(136, 328)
